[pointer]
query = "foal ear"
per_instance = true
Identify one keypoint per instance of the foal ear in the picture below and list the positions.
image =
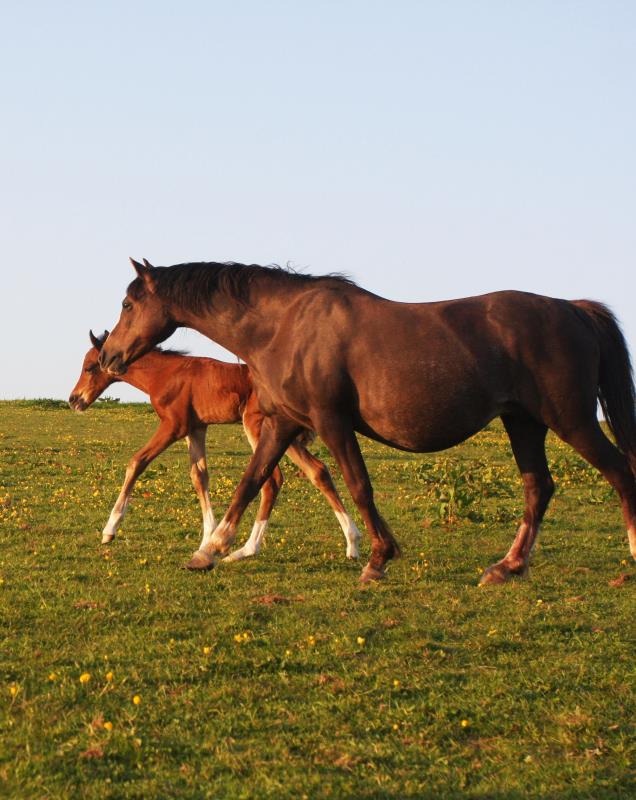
(147, 263)
(95, 341)
(144, 271)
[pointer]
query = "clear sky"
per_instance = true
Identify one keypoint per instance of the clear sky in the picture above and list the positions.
(429, 149)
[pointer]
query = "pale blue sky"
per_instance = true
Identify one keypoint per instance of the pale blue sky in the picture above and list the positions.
(428, 149)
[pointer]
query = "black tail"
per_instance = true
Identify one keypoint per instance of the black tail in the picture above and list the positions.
(616, 392)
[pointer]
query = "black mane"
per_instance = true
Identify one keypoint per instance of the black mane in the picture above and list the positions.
(194, 285)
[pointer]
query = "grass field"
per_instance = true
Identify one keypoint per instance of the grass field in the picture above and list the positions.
(124, 676)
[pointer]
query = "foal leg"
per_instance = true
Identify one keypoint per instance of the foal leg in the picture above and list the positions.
(591, 443)
(163, 437)
(318, 474)
(276, 436)
(252, 423)
(200, 478)
(527, 438)
(341, 441)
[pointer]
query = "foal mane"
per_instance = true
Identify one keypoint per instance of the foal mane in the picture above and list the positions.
(194, 285)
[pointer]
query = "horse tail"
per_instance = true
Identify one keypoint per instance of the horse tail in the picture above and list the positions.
(616, 392)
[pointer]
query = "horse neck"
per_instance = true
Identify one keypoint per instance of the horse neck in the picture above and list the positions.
(151, 371)
(243, 329)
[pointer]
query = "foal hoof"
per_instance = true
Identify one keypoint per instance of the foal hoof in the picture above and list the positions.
(200, 561)
(370, 573)
(107, 538)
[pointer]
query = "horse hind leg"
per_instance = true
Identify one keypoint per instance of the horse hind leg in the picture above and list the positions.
(527, 438)
(592, 444)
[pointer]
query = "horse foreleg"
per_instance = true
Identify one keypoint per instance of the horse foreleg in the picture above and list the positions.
(320, 477)
(341, 441)
(163, 437)
(276, 435)
(527, 438)
(200, 479)
(252, 424)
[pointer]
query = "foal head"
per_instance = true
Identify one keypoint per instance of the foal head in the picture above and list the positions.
(92, 380)
(144, 321)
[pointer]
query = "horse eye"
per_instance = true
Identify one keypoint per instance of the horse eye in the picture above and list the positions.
(126, 305)
(91, 369)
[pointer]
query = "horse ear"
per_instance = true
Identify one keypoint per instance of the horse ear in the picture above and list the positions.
(144, 271)
(139, 268)
(97, 343)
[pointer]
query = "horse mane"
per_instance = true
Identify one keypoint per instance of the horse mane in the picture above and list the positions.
(194, 285)
(170, 351)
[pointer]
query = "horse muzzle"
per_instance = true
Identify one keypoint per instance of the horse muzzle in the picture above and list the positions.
(77, 402)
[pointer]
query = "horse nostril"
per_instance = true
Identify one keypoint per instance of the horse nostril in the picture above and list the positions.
(72, 399)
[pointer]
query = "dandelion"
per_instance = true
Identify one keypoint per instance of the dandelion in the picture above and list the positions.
(136, 700)
(241, 637)
(465, 723)
(361, 640)
(207, 650)
(396, 727)
(539, 602)
(109, 677)
(13, 690)
(108, 726)
(396, 683)
(311, 641)
(52, 676)
(85, 677)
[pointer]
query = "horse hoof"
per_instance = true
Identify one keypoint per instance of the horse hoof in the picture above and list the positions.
(370, 573)
(107, 538)
(495, 575)
(200, 561)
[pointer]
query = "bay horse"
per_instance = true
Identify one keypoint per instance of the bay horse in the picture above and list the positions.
(188, 394)
(325, 354)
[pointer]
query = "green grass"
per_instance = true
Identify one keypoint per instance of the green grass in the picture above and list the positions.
(423, 686)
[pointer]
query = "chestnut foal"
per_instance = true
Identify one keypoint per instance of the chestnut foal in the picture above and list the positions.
(189, 393)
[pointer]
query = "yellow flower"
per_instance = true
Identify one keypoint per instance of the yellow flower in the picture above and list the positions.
(85, 677)
(311, 641)
(14, 690)
(396, 683)
(109, 676)
(52, 676)
(108, 726)
(539, 602)
(207, 650)
(396, 726)
(492, 632)
(465, 723)
(136, 700)
(361, 640)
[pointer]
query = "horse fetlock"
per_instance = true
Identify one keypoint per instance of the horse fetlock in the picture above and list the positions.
(631, 535)
(241, 553)
(107, 537)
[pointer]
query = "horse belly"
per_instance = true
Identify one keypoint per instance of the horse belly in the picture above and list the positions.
(429, 419)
